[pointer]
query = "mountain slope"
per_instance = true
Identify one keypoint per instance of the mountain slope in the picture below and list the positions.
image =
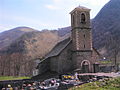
(19, 55)
(106, 28)
(33, 43)
(7, 37)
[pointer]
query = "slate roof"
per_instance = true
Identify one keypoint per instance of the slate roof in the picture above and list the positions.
(80, 8)
(58, 48)
(96, 51)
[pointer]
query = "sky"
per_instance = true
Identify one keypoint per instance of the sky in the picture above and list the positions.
(42, 14)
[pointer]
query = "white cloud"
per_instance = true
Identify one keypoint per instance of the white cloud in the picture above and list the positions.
(52, 7)
(97, 2)
(88, 2)
(57, 1)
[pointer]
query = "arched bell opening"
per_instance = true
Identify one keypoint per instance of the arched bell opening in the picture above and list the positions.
(83, 18)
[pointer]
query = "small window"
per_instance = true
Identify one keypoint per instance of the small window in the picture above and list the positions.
(84, 45)
(84, 35)
(83, 18)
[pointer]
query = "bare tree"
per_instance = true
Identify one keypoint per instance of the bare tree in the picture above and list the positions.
(113, 46)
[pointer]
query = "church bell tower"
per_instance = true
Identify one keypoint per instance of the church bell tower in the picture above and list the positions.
(81, 30)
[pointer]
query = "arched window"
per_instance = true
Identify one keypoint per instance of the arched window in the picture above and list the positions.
(83, 18)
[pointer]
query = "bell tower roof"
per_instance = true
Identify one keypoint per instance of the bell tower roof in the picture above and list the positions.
(80, 8)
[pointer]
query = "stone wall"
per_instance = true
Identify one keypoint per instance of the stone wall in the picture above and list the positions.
(109, 68)
(106, 68)
(95, 56)
(63, 62)
(44, 66)
(79, 57)
(54, 63)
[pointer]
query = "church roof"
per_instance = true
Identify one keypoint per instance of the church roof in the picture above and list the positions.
(80, 8)
(96, 51)
(58, 48)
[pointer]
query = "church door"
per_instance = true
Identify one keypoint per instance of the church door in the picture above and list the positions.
(85, 67)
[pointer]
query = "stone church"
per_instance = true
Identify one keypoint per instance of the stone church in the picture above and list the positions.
(76, 52)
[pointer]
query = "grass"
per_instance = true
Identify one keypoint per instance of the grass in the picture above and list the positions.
(12, 78)
(105, 62)
(112, 84)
